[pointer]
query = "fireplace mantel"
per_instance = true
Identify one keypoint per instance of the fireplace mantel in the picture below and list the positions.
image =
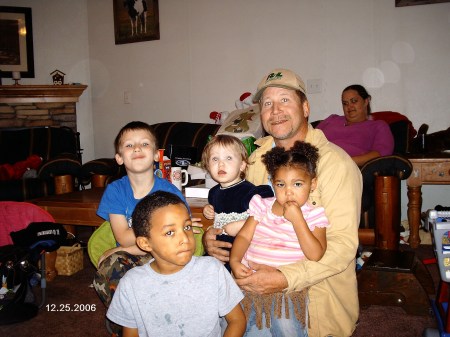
(41, 93)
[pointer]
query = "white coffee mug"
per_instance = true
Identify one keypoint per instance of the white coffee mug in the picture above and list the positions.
(176, 177)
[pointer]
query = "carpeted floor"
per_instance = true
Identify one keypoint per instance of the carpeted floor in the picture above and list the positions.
(375, 321)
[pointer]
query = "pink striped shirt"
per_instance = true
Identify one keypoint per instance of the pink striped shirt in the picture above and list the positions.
(275, 242)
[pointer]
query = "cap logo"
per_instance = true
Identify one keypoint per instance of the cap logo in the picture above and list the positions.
(274, 76)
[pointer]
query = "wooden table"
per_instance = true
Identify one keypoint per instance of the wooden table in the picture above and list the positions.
(428, 169)
(79, 208)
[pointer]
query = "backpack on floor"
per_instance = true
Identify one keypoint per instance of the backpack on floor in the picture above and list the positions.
(16, 297)
(19, 269)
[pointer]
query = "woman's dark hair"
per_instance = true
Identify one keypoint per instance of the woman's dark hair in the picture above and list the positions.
(301, 155)
(361, 92)
(144, 210)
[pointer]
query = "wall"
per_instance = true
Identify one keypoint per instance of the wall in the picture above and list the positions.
(212, 51)
(60, 30)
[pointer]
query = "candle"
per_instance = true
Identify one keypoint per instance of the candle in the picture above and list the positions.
(16, 75)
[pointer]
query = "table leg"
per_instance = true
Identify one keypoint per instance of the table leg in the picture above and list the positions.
(50, 270)
(414, 208)
(64, 184)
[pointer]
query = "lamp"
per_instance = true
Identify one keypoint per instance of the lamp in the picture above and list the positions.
(16, 77)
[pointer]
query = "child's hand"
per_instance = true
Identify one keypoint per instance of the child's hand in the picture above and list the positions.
(208, 212)
(292, 211)
(240, 270)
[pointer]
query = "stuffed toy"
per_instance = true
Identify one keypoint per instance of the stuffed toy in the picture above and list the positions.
(245, 101)
(18, 170)
(243, 123)
(218, 117)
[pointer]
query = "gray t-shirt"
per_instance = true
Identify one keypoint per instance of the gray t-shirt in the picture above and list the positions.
(187, 303)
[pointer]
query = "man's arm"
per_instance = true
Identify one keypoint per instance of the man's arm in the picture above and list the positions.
(339, 192)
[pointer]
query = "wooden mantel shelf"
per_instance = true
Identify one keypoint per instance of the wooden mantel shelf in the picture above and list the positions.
(41, 93)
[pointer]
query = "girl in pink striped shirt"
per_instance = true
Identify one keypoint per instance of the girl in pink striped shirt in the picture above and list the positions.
(282, 230)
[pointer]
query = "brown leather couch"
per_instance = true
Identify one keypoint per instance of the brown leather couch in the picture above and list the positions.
(59, 149)
(186, 137)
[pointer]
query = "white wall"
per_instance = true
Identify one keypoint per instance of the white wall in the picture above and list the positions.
(211, 51)
(60, 30)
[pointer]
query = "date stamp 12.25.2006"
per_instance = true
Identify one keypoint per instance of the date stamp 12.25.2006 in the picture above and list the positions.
(71, 307)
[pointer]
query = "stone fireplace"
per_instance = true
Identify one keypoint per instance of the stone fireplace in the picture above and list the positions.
(39, 105)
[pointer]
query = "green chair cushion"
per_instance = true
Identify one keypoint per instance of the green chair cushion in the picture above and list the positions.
(100, 241)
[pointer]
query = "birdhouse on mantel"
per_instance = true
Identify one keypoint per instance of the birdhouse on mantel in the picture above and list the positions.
(58, 77)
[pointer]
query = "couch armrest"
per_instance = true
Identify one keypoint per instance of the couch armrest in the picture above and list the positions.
(64, 164)
(102, 166)
(394, 165)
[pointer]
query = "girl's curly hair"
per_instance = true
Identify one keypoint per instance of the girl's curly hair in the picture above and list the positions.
(302, 155)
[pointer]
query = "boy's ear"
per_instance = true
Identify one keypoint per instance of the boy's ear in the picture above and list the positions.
(144, 244)
(156, 156)
(119, 159)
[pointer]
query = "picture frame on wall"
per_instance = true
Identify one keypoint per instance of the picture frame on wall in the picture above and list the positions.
(405, 3)
(135, 21)
(16, 42)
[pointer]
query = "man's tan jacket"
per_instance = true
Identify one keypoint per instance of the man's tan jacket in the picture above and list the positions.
(333, 307)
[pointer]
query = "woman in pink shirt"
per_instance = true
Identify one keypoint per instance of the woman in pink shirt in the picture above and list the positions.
(355, 132)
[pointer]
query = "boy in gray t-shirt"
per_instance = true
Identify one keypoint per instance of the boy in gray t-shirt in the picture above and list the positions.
(176, 294)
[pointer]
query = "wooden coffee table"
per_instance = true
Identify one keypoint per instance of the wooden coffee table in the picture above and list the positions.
(428, 169)
(79, 208)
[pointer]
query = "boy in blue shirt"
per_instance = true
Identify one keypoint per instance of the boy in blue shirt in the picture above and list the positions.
(136, 149)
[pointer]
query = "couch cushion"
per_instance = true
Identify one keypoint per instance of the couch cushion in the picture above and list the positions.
(47, 142)
(25, 189)
(182, 155)
(101, 166)
(184, 133)
(60, 165)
